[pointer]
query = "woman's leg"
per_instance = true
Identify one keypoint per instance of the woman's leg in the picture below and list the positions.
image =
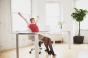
(45, 40)
(50, 46)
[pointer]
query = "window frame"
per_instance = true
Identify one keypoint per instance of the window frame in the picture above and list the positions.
(11, 12)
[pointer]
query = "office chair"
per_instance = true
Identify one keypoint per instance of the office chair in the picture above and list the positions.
(40, 42)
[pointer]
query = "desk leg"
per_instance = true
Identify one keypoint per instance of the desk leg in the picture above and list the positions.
(36, 46)
(17, 46)
(69, 39)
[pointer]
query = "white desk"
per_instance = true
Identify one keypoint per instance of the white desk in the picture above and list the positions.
(36, 43)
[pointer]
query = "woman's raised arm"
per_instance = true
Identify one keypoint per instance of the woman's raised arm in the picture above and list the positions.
(22, 17)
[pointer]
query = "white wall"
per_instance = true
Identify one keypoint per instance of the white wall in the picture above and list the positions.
(5, 22)
(7, 39)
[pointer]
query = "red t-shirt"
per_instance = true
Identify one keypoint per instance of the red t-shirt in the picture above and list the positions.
(33, 27)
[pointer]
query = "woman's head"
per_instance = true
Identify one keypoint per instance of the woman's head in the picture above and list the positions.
(32, 20)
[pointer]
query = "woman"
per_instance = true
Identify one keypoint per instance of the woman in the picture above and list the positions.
(47, 41)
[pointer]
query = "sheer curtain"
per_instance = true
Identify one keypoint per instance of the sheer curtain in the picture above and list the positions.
(24, 7)
(53, 16)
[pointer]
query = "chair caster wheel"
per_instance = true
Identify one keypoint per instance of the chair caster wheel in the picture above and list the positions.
(39, 52)
(30, 52)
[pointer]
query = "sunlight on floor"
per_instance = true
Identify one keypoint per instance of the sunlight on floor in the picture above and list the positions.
(61, 50)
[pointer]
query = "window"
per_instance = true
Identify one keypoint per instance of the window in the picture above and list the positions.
(52, 16)
(24, 7)
(83, 5)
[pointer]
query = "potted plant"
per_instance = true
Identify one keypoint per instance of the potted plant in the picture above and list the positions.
(79, 15)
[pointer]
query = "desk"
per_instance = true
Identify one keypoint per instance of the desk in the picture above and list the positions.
(36, 43)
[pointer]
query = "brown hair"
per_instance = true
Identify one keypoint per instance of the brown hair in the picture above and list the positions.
(31, 19)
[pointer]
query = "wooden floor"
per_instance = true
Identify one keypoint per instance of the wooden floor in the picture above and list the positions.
(61, 50)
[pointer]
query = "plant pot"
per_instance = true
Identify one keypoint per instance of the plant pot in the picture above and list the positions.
(78, 39)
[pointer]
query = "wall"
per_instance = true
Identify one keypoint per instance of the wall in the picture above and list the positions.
(5, 22)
